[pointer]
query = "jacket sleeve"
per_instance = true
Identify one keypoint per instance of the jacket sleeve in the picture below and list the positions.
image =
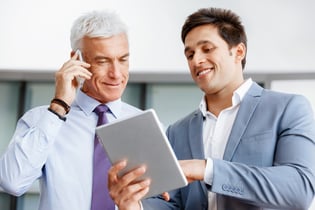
(274, 167)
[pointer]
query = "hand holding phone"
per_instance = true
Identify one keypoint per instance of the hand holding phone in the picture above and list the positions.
(78, 78)
(78, 52)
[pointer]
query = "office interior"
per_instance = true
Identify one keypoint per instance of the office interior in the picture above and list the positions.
(34, 45)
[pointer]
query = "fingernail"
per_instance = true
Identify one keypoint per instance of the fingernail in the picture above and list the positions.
(147, 182)
(123, 163)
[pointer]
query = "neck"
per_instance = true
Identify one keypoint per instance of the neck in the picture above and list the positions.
(218, 101)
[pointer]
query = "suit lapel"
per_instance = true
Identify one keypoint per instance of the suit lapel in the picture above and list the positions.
(195, 136)
(196, 143)
(247, 108)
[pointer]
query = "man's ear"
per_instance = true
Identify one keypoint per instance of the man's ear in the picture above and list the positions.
(240, 51)
(72, 54)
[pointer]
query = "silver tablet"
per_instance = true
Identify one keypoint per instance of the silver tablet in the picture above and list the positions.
(141, 140)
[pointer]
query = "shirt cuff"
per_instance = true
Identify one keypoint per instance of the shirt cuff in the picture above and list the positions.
(141, 207)
(209, 172)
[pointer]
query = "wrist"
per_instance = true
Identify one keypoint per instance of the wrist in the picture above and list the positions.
(58, 115)
(62, 104)
(57, 109)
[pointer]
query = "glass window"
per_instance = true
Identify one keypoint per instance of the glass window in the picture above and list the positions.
(9, 103)
(9, 106)
(132, 94)
(29, 201)
(303, 87)
(173, 101)
(38, 93)
(4, 201)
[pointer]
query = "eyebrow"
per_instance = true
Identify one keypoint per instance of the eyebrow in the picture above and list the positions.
(201, 42)
(105, 57)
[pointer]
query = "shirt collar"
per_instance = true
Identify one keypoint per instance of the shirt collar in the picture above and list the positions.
(237, 97)
(88, 104)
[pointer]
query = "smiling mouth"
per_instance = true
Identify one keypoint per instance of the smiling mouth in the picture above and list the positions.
(111, 84)
(203, 72)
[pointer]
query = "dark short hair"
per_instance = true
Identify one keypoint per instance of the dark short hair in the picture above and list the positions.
(229, 25)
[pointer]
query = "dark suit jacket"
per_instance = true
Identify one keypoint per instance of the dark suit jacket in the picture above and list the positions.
(269, 160)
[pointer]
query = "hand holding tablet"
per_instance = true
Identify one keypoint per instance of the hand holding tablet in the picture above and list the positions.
(141, 141)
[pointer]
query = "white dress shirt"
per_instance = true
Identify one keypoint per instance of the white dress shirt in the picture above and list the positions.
(58, 153)
(216, 131)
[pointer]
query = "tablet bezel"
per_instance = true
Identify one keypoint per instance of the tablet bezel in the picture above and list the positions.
(141, 140)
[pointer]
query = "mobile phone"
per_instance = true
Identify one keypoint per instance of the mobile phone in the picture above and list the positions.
(79, 79)
(79, 53)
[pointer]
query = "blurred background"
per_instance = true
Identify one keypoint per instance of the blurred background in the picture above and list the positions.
(34, 43)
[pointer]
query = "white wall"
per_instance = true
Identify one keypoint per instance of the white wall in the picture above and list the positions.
(35, 33)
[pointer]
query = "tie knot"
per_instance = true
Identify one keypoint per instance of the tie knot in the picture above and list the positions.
(101, 109)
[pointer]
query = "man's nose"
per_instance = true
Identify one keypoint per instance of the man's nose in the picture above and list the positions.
(199, 58)
(114, 70)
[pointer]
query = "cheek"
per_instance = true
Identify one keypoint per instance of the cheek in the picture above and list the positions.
(190, 66)
(94, 81)
(97, 76)
(125, 75)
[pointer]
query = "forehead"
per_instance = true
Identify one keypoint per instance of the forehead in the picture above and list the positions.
(203, 34)
(114, 44)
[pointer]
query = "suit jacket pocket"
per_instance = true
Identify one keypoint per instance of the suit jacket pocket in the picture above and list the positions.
(256, 150)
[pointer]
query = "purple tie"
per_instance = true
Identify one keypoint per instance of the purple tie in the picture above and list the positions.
(100, 196)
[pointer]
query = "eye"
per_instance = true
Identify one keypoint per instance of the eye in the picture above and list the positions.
(102, 61)
(208, 49)
(189, 56)
(124, 59)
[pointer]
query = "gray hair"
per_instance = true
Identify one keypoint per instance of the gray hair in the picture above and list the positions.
(96, 24)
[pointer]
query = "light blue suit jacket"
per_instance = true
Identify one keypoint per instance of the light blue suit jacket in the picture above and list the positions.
(269, 160)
